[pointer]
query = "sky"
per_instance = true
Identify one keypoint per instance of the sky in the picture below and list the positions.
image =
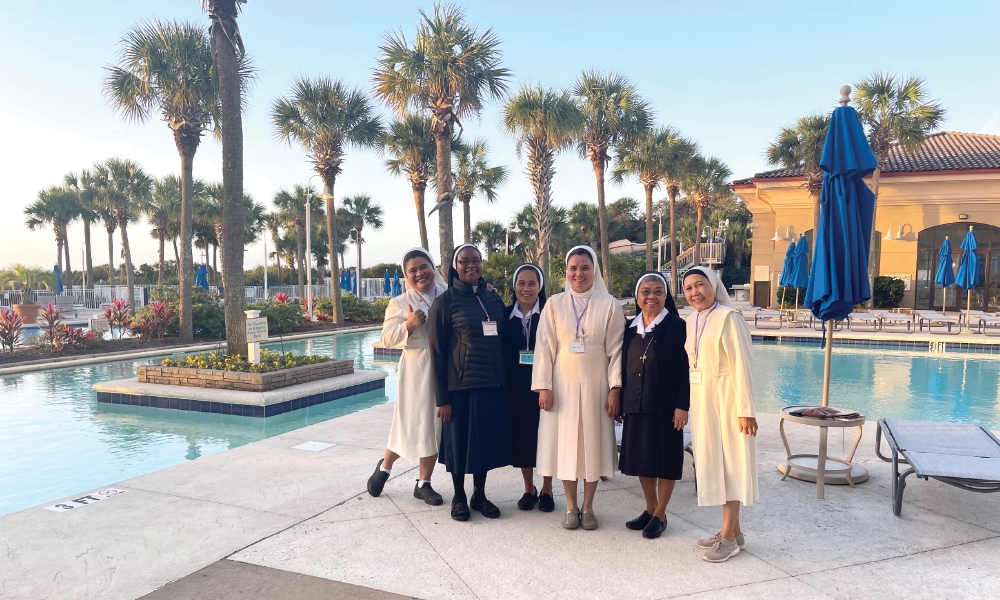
(728, 74)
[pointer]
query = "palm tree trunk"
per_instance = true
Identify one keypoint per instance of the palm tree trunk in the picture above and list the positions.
(541, 162)
(443, 129)
(59, 249)
(162, 237)
(418, 199)
(111, 261)
(300, 257)
(185, 263)
(700, 209)
(89, 263)
(672, 194)
(177, 257)
(129, 275)
(215, 265)
(467, 219)
(649, 227)
(602, 216)
(331, 238)
(68, 273)
(872, 266)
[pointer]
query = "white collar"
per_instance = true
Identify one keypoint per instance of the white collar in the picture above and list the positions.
(517, 310)
(641, 329)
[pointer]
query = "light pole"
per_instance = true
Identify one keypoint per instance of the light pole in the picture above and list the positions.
(265, 266)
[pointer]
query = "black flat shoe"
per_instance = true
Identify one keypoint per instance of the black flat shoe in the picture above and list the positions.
(487, 508)
(655, 528)
(639, 522)
(427, 494)
(527, 501)
(546, 503)
(459, 510)
(377, 481)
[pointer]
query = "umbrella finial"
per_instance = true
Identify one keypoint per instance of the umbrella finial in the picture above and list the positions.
(845, 95)
(970, 227)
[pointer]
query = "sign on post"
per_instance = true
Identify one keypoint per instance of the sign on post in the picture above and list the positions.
(256, 329)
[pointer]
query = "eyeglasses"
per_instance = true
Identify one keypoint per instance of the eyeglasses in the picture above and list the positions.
(475, 262)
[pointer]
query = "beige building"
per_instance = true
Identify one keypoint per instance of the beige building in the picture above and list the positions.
(951, 182)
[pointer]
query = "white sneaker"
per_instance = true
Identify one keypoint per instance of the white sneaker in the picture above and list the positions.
(708, 542)
(721, 551)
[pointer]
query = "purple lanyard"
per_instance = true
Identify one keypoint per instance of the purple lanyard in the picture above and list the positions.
(578, 316)
(698, 333)
(424, 298)
(526, 325)
(488, 319)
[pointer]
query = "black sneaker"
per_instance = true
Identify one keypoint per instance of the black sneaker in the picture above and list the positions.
(654, 528)
(377, 481)
(487, 508)
(459, 510)
(427, 494)
(546, 503)
(527, 501)
(639, 522)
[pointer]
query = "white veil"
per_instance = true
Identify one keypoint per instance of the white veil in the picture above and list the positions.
(437, 273)
(598, 273)
(721, 295)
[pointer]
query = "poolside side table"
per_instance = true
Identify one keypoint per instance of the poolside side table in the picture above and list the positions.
(818, 467)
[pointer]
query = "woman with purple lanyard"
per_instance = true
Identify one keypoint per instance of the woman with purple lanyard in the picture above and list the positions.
(723, 421)
(465, 327)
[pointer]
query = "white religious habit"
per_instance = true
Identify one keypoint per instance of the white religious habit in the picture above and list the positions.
(576, 439)
(719, 348)
(416, 428)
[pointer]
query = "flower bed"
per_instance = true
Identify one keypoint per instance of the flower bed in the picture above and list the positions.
(218, 371)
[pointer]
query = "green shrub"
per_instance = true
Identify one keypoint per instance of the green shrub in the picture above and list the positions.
(786, 297)
(269, 361)
(281, 317)
(207, 314)
(732, 275)
(323, 306)
(888, 292)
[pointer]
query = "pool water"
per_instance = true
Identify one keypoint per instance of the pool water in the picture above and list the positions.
(56, 440)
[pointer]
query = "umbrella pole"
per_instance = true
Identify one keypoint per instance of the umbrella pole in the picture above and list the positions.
(826, 362)
(968, 310)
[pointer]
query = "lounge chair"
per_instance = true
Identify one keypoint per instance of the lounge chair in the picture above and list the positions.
(987, 324)
(817, 324)
(799, 318)
(959, 454)
(868, 322)
(45, 299)
(894, 320)
(931, 318)
(67, 304)
(773, 319)
(748, 312)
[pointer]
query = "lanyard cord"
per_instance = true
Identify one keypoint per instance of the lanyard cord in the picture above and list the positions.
(698, 333)
(423, 297)
(488, 319)
(579, 316)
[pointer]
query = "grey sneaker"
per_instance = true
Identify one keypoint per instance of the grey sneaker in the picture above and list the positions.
(572, 519)
(721, 551)
(708, 542)
(588, 521)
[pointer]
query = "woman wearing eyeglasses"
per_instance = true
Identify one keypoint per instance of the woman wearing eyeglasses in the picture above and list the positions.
(466, 336)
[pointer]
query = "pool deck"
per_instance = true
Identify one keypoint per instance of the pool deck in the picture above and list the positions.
(266, 520)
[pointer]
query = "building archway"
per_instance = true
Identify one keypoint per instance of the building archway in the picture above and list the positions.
(930, 295)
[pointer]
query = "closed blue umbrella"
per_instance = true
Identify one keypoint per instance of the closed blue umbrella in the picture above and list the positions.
(968, 272)
(354, 283)
(201, 277)
(386, 284)
(839, 276)
(945, 269)
(397, 288)
(788, 267)
(57, 279)
(800, 269)
(345, 280)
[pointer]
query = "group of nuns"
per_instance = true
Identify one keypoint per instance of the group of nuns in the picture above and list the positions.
(538, 385)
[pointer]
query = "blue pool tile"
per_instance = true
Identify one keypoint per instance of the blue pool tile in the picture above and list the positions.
(256, 411)
(216, 407)
(227, 408)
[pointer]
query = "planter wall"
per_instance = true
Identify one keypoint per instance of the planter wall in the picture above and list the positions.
(248, 382)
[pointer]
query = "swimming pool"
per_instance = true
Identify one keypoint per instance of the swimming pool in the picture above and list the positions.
(56, 440)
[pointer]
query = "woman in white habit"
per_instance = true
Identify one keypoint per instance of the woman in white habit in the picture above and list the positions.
(577, 374)
(416, 428)
(723, 421)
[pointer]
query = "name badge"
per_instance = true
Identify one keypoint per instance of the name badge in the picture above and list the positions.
(525, 358)
(576, 347)
(490, 328)
(694, 376)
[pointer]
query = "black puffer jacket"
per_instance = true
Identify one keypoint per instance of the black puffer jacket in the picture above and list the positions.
(463, 358)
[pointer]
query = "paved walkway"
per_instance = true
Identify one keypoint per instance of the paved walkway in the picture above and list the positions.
(271, 513)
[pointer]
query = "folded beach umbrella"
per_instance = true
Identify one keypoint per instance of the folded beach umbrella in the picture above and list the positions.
(397, 289)
(201, 277)
(57, 279)
(345, 280)
(839, 276)
(386, 284)
(799, 278)
(968, 271)
(945, 267)
(788, 267)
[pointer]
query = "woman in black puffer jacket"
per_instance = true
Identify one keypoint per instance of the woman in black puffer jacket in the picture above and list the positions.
(465, 327)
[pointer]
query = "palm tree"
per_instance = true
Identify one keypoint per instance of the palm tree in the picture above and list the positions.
(410, 144)
(585, 223)
(273, 222)
(800, 147)
(361, 212)
(233, 68)
(123, 188)
(325, 117)
(168, 69)
(545, 121)
(449, 69)
(110, 225)
(708, 180)
(678, 152)
(489, 235)
(613, 113)
(895, 111)
(55, 207)
(208, 209)
(474, 176)
(292, 210)
(164, 208)
(82, 189)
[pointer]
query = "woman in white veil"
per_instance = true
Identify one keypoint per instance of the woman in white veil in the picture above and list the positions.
(577, 373)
